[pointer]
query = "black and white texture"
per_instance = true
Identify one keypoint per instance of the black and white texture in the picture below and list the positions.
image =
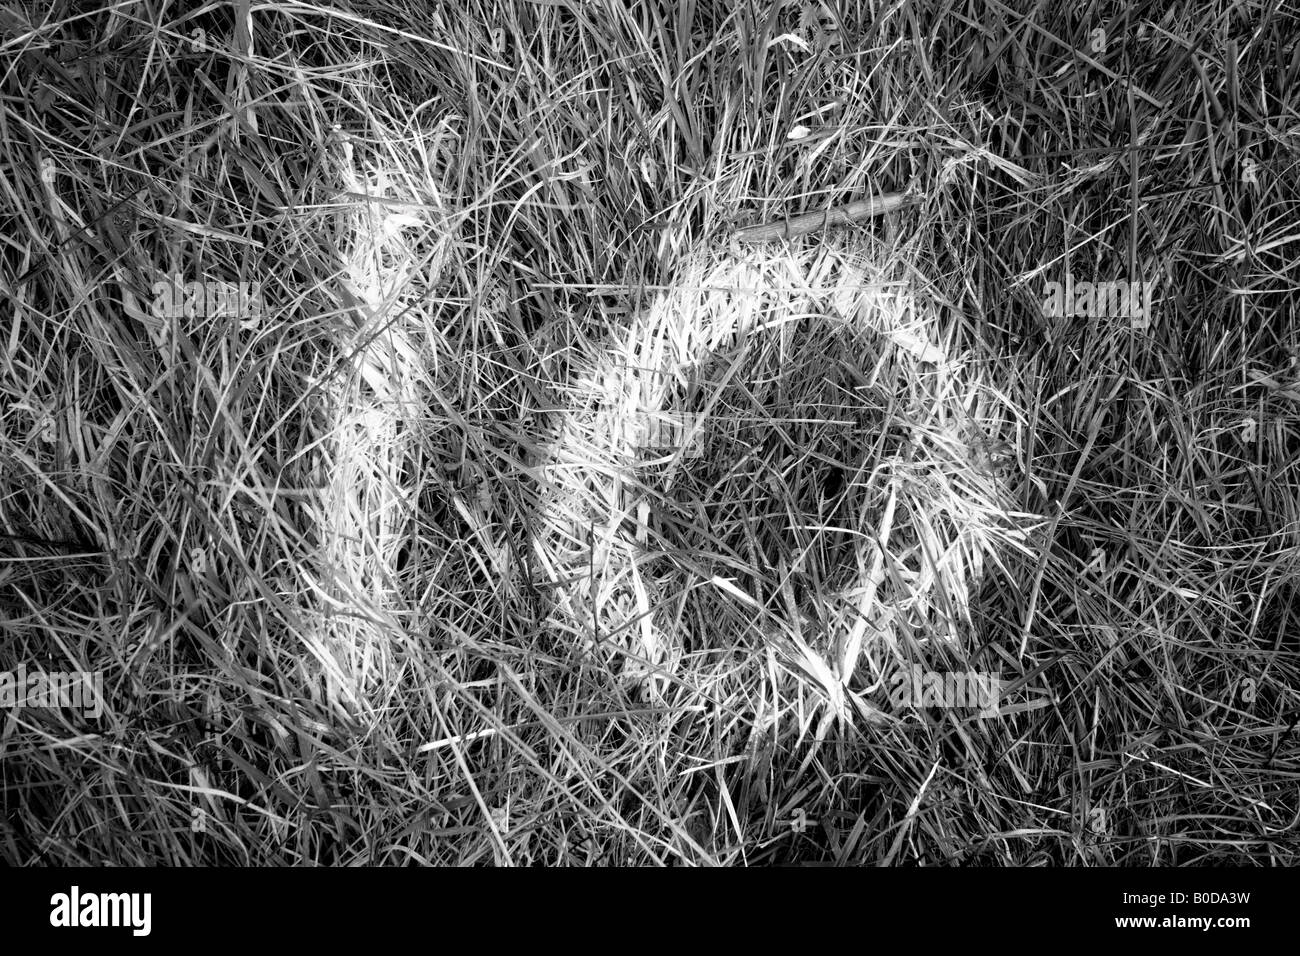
(607, 433)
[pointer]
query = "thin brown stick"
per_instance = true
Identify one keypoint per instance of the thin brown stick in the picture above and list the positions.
(824, 218)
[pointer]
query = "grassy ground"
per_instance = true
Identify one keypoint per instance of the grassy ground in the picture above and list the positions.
(380, 577)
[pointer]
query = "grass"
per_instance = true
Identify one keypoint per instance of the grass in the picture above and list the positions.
(382, 577)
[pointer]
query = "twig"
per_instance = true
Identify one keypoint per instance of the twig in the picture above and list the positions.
(824, 218)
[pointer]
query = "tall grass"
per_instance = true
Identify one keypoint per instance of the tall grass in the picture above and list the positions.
(377, 577)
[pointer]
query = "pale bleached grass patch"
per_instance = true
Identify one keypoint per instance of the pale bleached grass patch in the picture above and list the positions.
(394, 243)
(924, 511)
